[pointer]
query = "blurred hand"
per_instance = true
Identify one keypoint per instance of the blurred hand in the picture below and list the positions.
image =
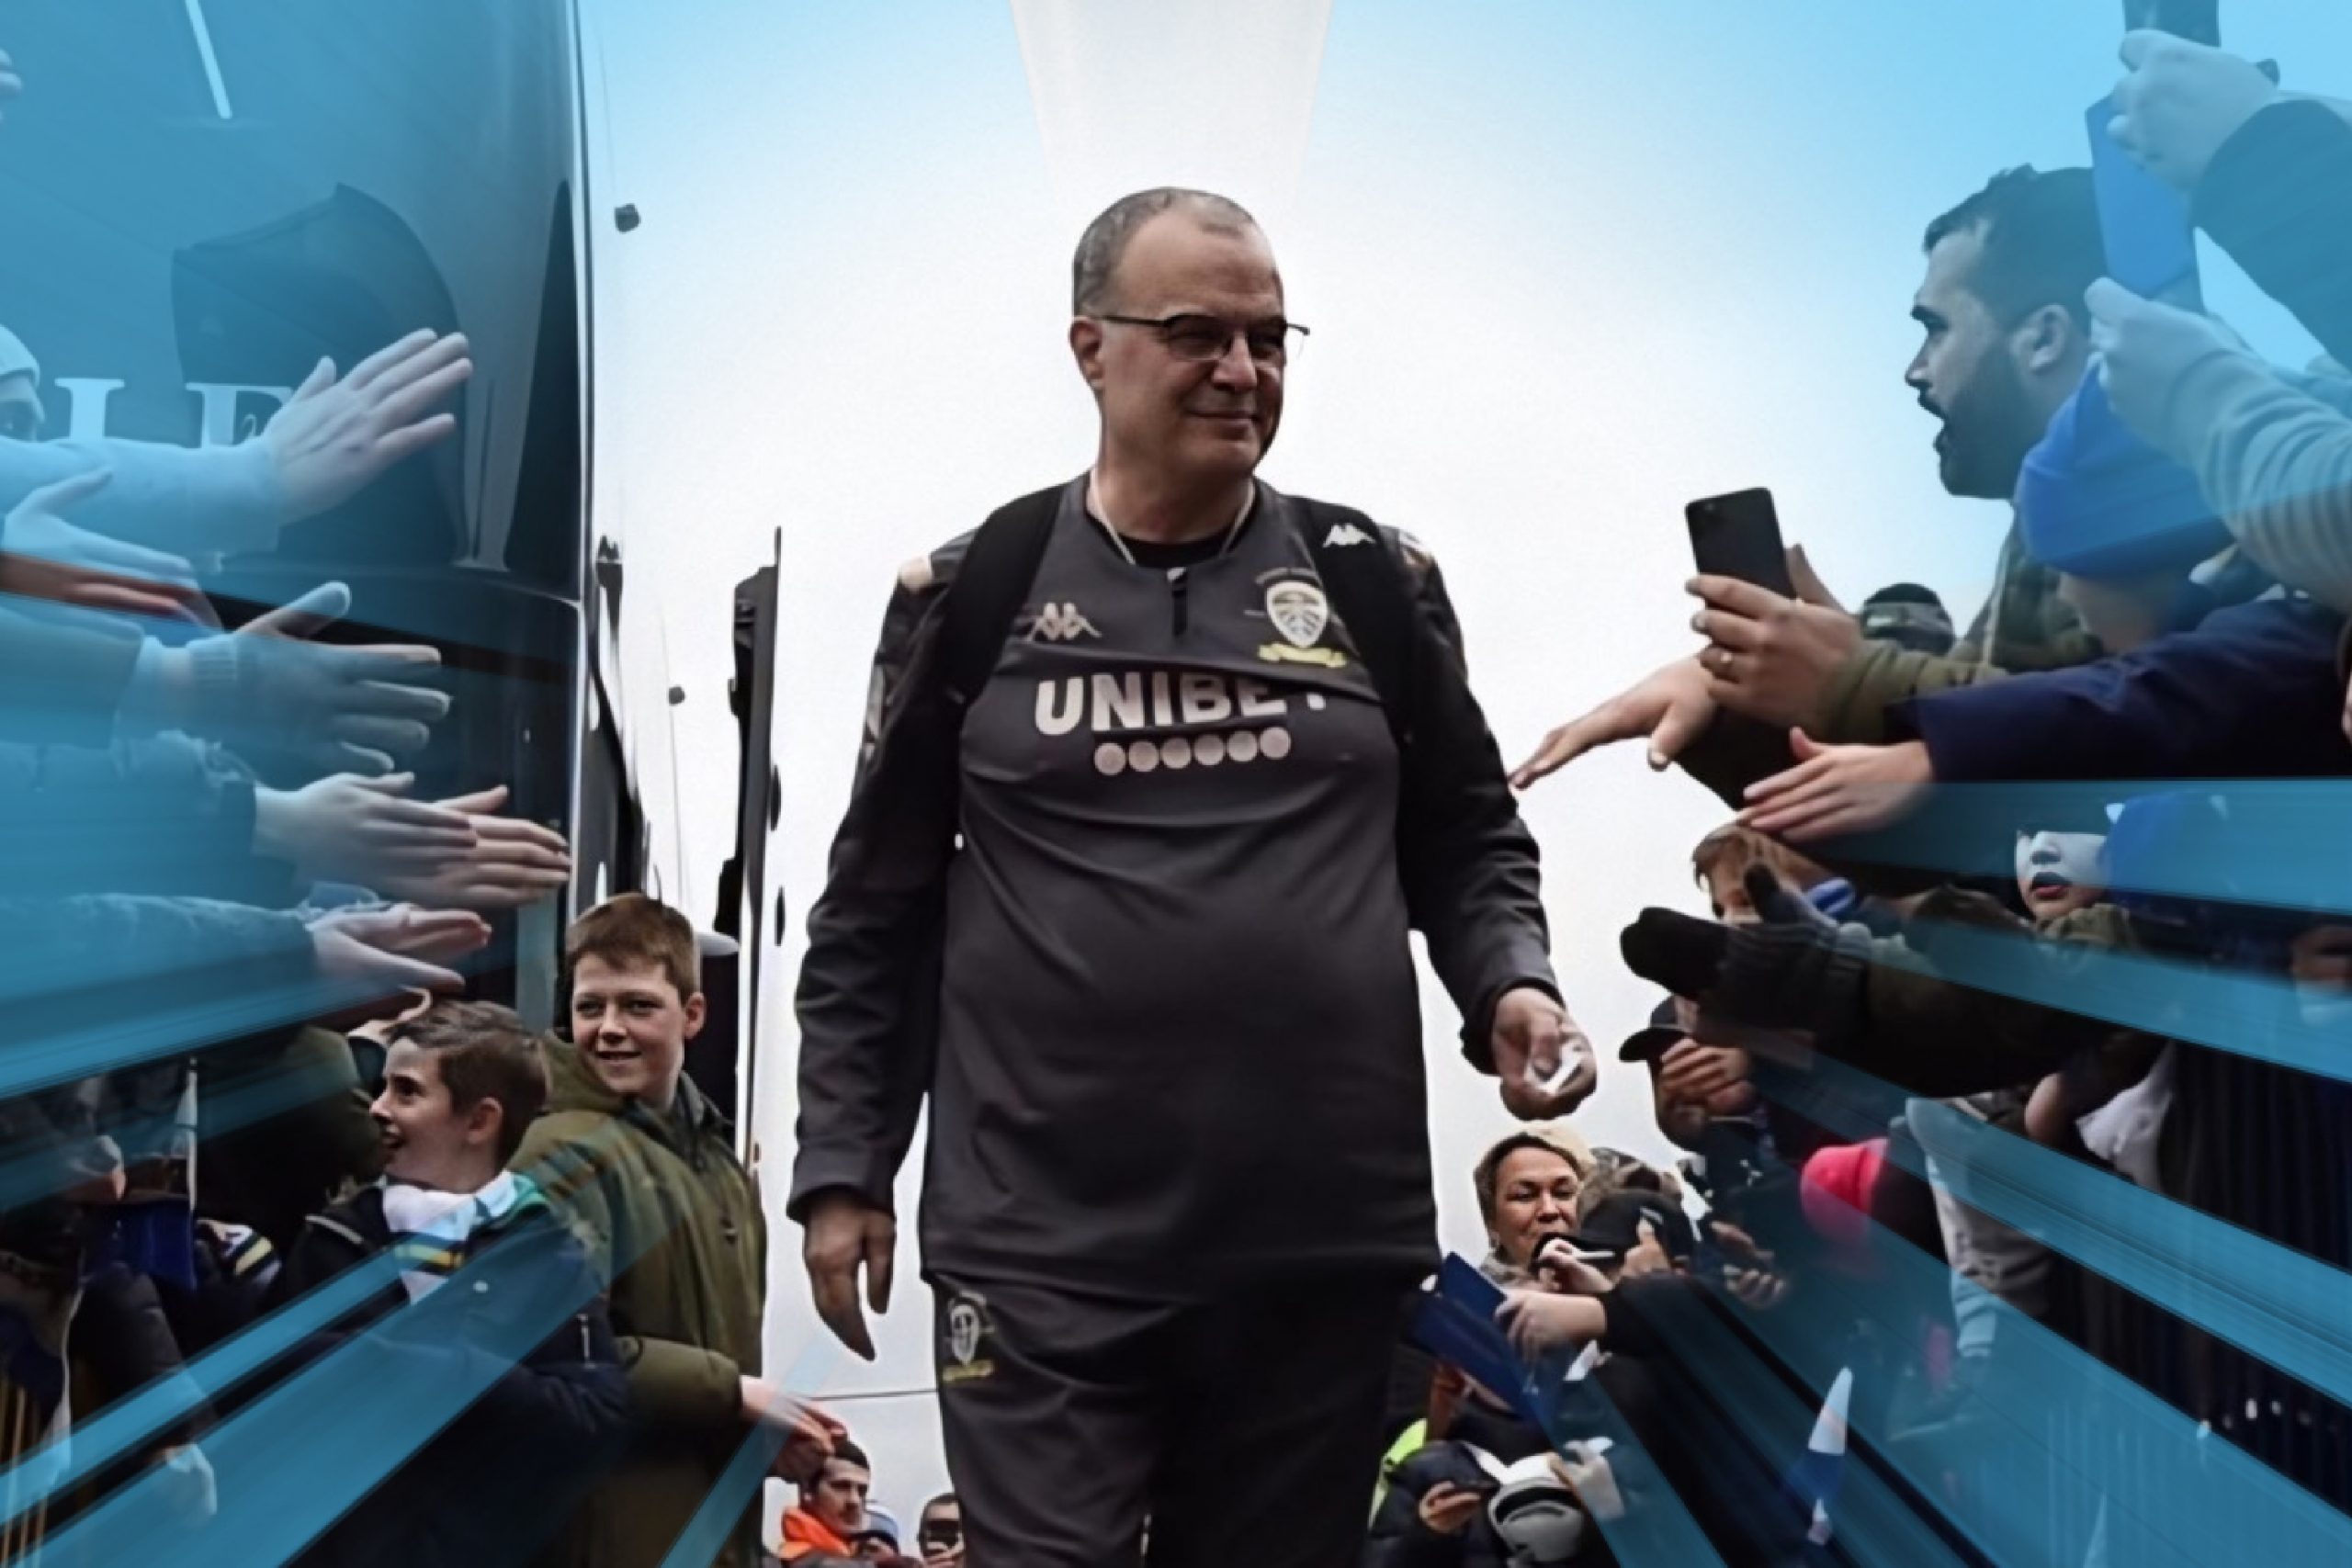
(1751, 1273)
(1692, 1071)
(2145, 350)
(2321, 959)
(11, 84)
(1587, 1474)
(1838, 790)
(808, 1433)
(333, 437)
(342, 708)
(1759, 1290)
(2180, 101)
(1544, 1061)
(347, 829)
(380, 1028)
(1558, 1265)
(1649, 1254)
(1671, 708)
(189, 1483)
(1770, 658)
(844, 1234)
(510, 863)
(2047, 1115)
(1537, 1321)
(374, 954)
(1696, 1073)
(1447, 1509)
(47, 557)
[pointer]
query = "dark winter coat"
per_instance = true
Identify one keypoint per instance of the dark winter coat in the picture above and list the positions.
(491, 1489)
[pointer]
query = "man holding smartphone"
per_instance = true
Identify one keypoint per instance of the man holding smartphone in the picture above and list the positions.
(939, 1536)
(2007, 342)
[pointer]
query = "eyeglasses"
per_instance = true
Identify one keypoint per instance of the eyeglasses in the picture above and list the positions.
(1199, 340)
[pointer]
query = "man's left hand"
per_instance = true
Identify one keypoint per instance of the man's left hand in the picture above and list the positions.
(1770, 658)
(2180, 101)
(1543, 1059)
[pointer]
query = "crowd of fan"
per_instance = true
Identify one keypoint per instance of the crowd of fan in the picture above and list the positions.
(1925, 1015)
(262, 1164)
(211, 833)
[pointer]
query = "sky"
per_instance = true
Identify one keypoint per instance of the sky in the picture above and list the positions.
(1568, 266)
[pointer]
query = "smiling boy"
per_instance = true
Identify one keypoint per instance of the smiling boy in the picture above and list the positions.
(647, 1166)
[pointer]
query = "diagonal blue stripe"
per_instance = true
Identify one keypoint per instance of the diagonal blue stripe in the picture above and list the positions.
(2064, 1424)
(716, 1520)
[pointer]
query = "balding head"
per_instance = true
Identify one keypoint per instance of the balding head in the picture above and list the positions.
(1106, 240)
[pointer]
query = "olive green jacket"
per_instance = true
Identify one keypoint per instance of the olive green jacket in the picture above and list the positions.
(675, 1227)
(2024, 626)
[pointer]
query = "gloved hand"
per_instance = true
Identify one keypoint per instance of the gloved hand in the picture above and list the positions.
(1784, 976)
(1777, 904)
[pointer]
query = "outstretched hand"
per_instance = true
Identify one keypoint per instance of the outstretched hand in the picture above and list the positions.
(333, 437)
(510, 861)
(1838, 790)
(47, 557)
(1670, 708)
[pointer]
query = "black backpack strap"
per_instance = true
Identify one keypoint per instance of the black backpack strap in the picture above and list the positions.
(989, 587)
(1364, 572)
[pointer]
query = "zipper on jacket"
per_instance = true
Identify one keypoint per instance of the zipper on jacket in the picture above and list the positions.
(1179, 604)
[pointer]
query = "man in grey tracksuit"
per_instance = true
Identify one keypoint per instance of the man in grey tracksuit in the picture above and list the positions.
(1177, 1188)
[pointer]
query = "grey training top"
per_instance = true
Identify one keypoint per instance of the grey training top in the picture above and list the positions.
(1180, 1038)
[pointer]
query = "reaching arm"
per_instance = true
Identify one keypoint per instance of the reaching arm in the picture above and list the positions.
(1470, 866)
(2278, 197)
(2253, 692)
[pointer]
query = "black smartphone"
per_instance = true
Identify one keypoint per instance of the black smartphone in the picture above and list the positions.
(1739, 536)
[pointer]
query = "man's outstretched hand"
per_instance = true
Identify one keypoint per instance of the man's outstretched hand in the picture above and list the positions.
(1543, 1059)
(1669, 708)
(844, 1234)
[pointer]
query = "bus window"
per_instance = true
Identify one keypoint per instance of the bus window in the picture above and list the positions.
(203, 199)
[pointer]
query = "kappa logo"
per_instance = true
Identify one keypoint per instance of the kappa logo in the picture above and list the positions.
(963, 1333)
(1345, 534)
(1061, 623)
